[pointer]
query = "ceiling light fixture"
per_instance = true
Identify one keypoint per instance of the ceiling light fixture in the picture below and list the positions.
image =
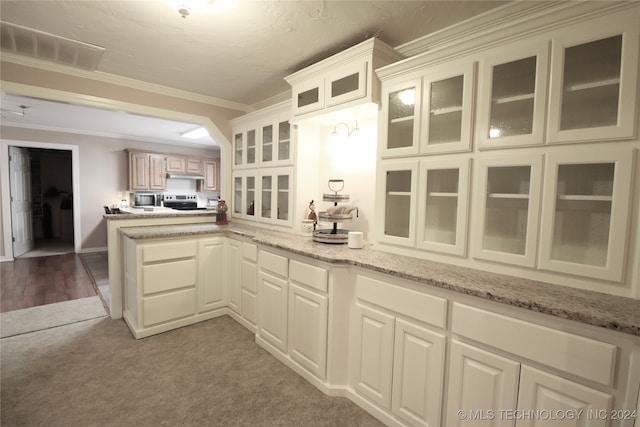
(188, 7)
(196, 133)
(349, 131)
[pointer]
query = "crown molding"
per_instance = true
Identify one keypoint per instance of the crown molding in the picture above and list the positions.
(276, 99)
(282, 107)
(122, 81)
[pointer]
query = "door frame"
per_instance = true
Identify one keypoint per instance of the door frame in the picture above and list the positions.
(6, 189)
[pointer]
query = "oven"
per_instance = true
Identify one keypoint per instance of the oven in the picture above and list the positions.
(182, 202)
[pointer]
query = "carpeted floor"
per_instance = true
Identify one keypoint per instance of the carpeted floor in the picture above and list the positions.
(93, 373)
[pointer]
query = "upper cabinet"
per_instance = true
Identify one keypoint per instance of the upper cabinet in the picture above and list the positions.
(593, 89)
(344, 80)
(512, 96)
(147, 171)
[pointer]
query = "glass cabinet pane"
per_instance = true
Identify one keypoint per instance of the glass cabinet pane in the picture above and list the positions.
(267, 143)
(345, 85)
(441, 213)
(284, 140)
(507, 209)
(251, 147)
(401, 120)
(309, 97)
(582, 216)
(237, 149)
(237, 195)
(251, 195)
(512, 98)
(265, 210)
(397, 213)
(591, 84)
(445, 110)
(283, 197)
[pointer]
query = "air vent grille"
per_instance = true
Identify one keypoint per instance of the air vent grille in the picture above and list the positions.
(49, 47)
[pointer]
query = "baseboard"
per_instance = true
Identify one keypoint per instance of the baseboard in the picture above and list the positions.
(6, 258)
(93, 250)
(241, 320)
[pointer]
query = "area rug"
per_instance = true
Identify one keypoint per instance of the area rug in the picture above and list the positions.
(50, 316)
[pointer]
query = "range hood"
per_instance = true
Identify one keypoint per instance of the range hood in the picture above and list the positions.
(184, 176)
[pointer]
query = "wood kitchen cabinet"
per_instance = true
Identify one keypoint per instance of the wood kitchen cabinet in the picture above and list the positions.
(147, 171)
(211, 172)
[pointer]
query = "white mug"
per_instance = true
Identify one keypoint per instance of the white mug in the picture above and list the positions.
(355, 240)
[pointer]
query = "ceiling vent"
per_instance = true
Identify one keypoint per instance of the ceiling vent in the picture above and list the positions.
(49, 47)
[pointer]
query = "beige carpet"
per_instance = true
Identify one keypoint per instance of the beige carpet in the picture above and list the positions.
(49, 316)
(93, 373)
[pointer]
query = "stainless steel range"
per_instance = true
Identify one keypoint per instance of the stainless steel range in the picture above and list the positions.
(182, 202)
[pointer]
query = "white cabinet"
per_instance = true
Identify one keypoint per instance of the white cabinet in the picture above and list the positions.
(443, 205)
(245, 147)
(540, 391)
(480, 384)
(249, 275)
(276, 147)
(512, 95)
(508, 203)
(586, 212)
(244, 194)
(396, 201)
(275, 196)
(233, 266)
(211, 273)
(594, 80)
(272, 299)
(344, 80)
(400, 118)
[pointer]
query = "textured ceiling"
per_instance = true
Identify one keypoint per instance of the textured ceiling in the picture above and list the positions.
(236, 50)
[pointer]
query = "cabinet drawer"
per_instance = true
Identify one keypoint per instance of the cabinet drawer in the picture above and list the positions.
(250, 251)
(167, 307)
(423, 307)
(169, 275)
(312, 276)
(274, 263)
(550, 347)
(164, 251)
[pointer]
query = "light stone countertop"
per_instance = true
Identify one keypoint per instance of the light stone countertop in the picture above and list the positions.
(593, 308)
(139, 213)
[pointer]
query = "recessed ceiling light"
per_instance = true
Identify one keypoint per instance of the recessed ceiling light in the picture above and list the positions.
(195, 133)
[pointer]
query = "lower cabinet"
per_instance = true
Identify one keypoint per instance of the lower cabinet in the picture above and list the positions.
(249, 274)
(211, 273)
(234, 273)
(272, 310)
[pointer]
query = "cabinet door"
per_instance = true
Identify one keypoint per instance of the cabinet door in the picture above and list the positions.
(346, 83)
(211, 174)
(249, 289)
(194, 166)
(266, 143)
(138, 171)
(400, 119)
(308, 329)
(157, 172)
(238, 195)
(284, 144)
(511, 104)
(272, 310)
(397, 202)
(252, 147)
(308, 96)
(542, 391)
(447, 116)
(418, 374)
(593, 89)
(238, 149)
(585, 220)
(233, 267)
(211, 279)
(175, 164)
(250, 196)
(443, 205)
(508, 199)
(372, 363)
(480, 384)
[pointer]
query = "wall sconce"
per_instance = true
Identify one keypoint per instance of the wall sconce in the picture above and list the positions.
(349, 131)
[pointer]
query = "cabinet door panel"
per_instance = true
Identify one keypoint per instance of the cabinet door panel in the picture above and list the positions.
(542, 391)
(233, 268)
(400, 124)
(396, 200)
(373, 355)
(308, 329)
(157, 172)
(211, 281)
(272, 310)
(418, 374)
(482, 382)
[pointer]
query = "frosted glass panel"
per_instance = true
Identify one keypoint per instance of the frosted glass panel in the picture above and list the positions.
(583, 213)
(442, 206)
(237, 149)
(251, 147)
(267, 143)
(283, 197)
(398, 203)
(266, 197)
(308, 97)
(512, 98)
(345, 85)
(445, 114)
(284, 140)
(591, 85)
(237, 195)
(251, 195)
(401, 118)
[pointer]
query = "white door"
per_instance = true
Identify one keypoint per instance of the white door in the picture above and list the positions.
(21, 215)
(211, 282)
(272, 310)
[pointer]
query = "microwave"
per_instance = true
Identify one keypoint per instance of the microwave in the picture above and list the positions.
(146, 199)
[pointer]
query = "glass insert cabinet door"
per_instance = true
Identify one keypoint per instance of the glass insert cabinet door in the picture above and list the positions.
(284, 141)
(346, 83)
(595, 82)
(586, 213)
(237, 196)
(251, 147)
(506, 226)
(238, 147)
(512, 97)
(398, 200)
(446, 122)
(267, 143)
(401, 110)
(250, 197)
(443, 205)
(266, 183)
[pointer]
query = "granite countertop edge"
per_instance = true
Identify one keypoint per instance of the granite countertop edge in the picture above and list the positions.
(594, 308)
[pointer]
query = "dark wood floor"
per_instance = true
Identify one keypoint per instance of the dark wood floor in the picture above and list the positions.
(30, 282)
